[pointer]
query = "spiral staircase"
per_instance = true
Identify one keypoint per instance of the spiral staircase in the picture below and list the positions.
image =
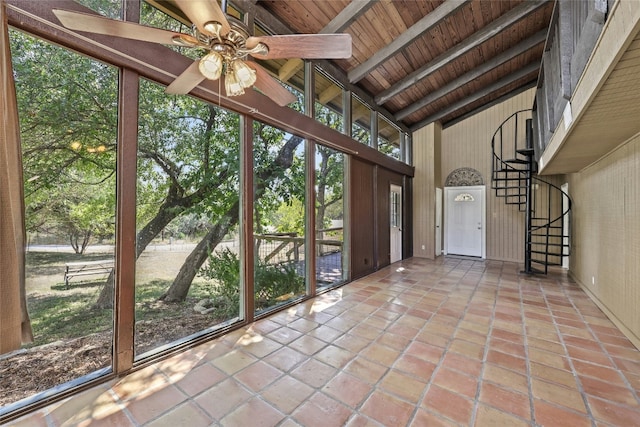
(545, 206)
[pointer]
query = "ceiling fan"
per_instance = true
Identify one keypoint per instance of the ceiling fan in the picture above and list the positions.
(228, 46)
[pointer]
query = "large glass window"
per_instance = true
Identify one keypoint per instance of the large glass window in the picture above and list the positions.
(188, 271)
(329, 231)
(360, 121)
(328, 102)
(67, 105)
(152, 17)
(388, 138)
(109, 8)
(279, 217)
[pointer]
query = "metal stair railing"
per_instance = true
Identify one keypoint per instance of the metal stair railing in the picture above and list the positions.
(509, 161)
(513, 177)
(545, 240)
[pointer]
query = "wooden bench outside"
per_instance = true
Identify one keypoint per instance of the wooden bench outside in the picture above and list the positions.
(87, 268)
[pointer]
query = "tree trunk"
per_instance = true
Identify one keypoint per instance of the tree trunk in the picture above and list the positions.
(174, 206)
(182, 283)
(167, 212)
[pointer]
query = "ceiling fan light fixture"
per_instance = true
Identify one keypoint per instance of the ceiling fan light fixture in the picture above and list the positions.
(213, 28)
(246, 75)
(232, 85)
(211, 65)
(185, 40)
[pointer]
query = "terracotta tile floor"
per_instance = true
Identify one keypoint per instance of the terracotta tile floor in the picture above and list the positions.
(422, 343)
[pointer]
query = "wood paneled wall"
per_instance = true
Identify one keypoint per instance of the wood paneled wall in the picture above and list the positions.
(362, 218)
(468, 144)
(370, 221)
(606, 234)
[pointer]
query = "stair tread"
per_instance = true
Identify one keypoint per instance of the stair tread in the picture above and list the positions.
(525, 151)
(546, 253)
(520, 174)
(517, 161)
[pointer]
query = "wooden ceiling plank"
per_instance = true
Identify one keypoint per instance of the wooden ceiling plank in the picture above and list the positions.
(495, 62)
(486, 33)
(349, 14)
(425, 24)
(507, 80)
(265, 17)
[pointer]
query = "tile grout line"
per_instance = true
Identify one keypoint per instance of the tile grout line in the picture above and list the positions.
(569, 359)
(603, 348)
(525, 337)
(484, 355)
(446, 350)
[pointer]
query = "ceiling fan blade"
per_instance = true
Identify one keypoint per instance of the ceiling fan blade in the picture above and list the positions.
(185, 82)
(310, 46)
(271, 87)
(78, 21)
(202, 11)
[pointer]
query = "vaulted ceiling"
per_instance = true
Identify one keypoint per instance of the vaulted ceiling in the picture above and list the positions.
(423, 61)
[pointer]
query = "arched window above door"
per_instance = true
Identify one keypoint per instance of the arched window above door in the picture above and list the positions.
(464, 177)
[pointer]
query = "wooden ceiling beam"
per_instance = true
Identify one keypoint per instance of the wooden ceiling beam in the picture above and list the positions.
(431, 20)
(345, 18)
(274, 24)
(506, 56)
(507, 80)
(475, 40)
(329, 94)
(289, 69)
(496, 101)
(349, 14)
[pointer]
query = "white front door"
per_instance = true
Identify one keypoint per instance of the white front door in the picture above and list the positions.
(395, 232)
(464, 220)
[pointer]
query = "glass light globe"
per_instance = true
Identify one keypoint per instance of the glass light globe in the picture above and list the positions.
(245, 74)
(232, 85)
(211, 65)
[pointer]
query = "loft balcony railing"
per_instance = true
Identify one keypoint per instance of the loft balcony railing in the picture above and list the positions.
(574, 30)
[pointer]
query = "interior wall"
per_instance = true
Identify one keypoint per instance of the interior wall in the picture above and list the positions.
(468, 144)
(426, 157)
(606, 234)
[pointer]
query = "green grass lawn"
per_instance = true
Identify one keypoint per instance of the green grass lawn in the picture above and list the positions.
(61, 312)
